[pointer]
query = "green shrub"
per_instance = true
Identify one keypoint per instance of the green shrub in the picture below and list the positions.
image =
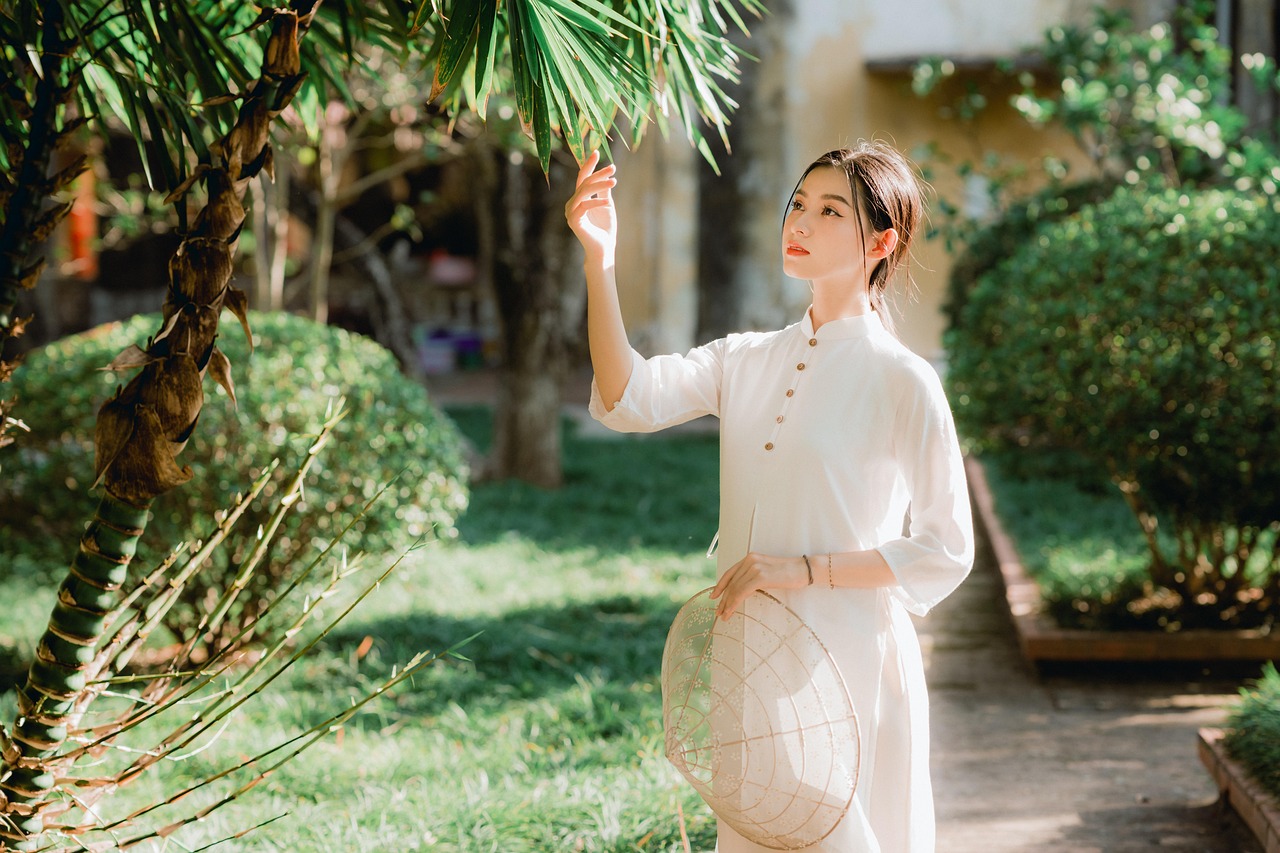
(283, 389)
(1142, 331)
(1253, 730)
(986, 247)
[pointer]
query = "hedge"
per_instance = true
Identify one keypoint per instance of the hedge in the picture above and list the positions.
(1142, 332)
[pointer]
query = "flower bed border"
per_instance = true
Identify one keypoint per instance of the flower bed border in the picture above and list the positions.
(1257, 808)
(1042, 640)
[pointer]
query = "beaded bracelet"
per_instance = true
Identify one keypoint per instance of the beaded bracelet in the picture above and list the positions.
(809, 567)
(831, 580)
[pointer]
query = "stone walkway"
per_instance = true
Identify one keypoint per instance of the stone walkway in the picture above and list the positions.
(1070, 762)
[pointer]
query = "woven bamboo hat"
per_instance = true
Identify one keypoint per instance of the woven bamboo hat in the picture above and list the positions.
(758, 718)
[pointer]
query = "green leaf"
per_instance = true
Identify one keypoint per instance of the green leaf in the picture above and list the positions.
(166, 141)
(566, 78)
(566, 8)
(540, 113)
(486, 50)
(520, 67)
(459, 41)
(419, 18)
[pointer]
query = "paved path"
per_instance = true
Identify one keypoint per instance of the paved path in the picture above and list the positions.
(1077, 762)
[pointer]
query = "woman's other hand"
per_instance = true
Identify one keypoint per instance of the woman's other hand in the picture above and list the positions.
(753, 572)
(591, 213)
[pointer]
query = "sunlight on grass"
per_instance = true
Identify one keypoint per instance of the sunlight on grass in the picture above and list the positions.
(1074, 533)
(548, 736)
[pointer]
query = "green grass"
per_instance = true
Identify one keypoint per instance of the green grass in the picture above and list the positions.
(1081, 543)
(1253, 731)
(548, 737)
(1075, 535)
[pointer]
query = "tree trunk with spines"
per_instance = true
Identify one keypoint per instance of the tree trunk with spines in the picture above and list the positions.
(140, 432)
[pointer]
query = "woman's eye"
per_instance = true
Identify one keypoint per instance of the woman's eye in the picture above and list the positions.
(830, 211)
(795, 205)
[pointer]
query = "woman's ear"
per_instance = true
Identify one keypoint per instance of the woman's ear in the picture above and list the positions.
(886, 242)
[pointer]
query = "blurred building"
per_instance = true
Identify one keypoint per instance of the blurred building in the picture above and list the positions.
(831, 72)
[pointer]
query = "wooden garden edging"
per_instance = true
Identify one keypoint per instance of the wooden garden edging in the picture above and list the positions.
(1257, 808)
(1042, 640)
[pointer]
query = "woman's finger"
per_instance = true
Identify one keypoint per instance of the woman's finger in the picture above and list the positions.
(589, 169)
(588, 165)
(730, 603)
(595, 186)
(725, 580)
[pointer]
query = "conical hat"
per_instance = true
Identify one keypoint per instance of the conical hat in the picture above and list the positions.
(758, 718)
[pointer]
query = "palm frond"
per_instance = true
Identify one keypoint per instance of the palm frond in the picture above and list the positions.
(573, 66)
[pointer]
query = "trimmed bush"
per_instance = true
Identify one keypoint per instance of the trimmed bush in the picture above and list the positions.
(986, 247)
(1142, 332)
(391, 431)
(1253, 730)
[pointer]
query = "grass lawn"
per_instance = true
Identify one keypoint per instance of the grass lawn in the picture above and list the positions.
(1074, 533)
(549, 737)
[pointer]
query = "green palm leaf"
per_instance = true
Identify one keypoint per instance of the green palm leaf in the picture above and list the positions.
(572, 65)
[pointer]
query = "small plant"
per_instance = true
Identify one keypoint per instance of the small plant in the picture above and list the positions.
(1253, 730)
(392, 432)
(1141, 333)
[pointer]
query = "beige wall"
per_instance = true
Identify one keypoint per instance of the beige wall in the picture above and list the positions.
(831, 99)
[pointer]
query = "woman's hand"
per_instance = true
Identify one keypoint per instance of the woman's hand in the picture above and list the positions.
(590, 210)
(753, 572)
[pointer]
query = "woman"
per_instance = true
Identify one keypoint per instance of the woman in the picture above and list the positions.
(842, 490)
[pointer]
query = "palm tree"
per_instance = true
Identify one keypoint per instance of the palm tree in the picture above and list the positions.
(573, 67)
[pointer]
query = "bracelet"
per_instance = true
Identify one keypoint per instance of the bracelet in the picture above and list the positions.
(831, 580)
(809, 567)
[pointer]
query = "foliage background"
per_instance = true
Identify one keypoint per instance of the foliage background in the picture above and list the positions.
(392, 434)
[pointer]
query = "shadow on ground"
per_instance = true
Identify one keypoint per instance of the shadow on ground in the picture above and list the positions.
(615, 644)
(1176, 827)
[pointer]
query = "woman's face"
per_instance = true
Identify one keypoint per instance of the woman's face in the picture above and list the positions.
(820, 235)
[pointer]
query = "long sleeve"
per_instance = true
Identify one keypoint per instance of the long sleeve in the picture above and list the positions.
(937, 552)
(665, 390)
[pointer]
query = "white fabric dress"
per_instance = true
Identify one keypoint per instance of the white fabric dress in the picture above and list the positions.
(827, 440)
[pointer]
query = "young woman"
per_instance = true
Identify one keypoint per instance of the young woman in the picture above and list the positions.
(842, 490)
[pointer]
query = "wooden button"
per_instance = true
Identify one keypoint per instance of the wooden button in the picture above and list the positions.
(800, 366)
(791, 392)
(779, 418)
(813, 342)
(768, 446)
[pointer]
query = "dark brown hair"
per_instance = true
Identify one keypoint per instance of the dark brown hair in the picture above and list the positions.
(887, 194)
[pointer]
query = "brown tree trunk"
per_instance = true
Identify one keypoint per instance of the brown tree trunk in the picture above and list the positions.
(541, 295)
(731, 284)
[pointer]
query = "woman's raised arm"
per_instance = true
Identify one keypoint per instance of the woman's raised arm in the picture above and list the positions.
(594, 220)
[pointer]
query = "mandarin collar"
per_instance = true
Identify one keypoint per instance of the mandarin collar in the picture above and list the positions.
(846, 328)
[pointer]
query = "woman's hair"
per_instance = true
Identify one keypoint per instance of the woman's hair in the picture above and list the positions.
(888, 194)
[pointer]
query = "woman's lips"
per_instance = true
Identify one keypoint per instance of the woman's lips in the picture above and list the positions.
(793, 249)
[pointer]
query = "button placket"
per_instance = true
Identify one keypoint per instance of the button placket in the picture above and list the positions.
(790, 394)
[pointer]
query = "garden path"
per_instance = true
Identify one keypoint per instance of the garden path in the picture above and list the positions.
(1076, 761)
